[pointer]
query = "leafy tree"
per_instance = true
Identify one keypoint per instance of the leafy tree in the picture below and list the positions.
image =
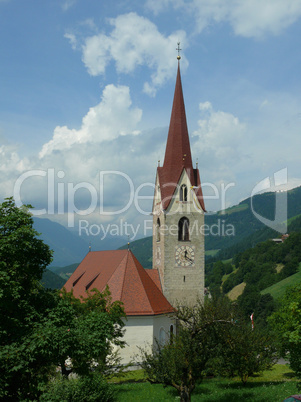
(40, 329)
(251, 301)
(181, 362)
(287, 322)
(84, 331)
(228, 268)
(23, 258)
(245, 352)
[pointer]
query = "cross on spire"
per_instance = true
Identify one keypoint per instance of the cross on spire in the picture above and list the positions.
(178, 49)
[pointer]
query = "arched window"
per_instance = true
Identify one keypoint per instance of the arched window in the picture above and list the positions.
(162, 336)
(158, 230)
(171, 334)
(183, 229)
(183, 192)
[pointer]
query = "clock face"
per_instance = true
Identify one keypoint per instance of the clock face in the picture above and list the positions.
(184, 256)
(158, 256)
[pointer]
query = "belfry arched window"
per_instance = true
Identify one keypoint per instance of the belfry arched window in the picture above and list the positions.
(158, 230)
(183, 192)
(183, 229)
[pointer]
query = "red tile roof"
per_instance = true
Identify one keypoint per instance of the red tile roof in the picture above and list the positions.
(128, 282)
(177, 153)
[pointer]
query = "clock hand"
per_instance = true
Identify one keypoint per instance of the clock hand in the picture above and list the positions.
(186, 256)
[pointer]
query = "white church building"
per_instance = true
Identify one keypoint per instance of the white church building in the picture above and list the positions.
(177, 276)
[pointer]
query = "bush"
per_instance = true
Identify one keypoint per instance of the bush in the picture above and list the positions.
(87, 388)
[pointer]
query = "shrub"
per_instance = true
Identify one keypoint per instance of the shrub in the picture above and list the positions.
(92, 387)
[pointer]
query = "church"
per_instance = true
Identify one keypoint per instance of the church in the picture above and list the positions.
(177, 276)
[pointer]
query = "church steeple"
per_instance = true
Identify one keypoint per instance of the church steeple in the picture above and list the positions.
(178, 152)
(178, 213)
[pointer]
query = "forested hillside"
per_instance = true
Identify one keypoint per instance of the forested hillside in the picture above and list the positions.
(256, 269)
(248, 229)
(142, 250)
(266, 263)
(50, 280)
(56, 277)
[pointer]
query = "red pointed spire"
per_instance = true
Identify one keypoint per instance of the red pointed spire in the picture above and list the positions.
(178, 152)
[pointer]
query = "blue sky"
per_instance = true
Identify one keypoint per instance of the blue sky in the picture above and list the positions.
(87, 86)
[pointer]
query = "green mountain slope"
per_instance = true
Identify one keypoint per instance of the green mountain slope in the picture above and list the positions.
(64, 272)
(51, 280)
(267, 265)
(294, 225)
(247, 228)
(67, 247)
(142, 249)
(245, 224)
(278, 289)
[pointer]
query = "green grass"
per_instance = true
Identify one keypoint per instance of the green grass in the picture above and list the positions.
(236, 208)
(211, 253)
(128, 376)
(274, 385)
(278, 289)
(292, 218)
(226, 276)
(229, 260)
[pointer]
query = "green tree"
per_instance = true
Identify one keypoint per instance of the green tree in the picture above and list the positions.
(85, 331)
(181, 362)
(40, 329)
(245, 352)
(287, 322)
(23, 258)
(251, 301)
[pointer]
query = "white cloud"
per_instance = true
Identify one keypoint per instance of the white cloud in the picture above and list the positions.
(245, 152)
(219, 136)
(248, 18)
(218, 143)
(126, 162)
(255, 18)
(158, 6)
(68, 4)
(11, 165)
(72, 39)
(134, 41)
(112, 117)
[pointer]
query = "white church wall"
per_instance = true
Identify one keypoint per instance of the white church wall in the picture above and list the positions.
(141, 331)
(138, 333)
(162, 325)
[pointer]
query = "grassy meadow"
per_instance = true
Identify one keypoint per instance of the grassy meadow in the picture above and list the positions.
(271, 386)
(278, 289)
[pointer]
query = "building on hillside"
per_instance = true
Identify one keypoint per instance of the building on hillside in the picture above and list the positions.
(149, 295)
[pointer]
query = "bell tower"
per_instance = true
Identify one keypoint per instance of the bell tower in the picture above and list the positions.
(178, 213)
